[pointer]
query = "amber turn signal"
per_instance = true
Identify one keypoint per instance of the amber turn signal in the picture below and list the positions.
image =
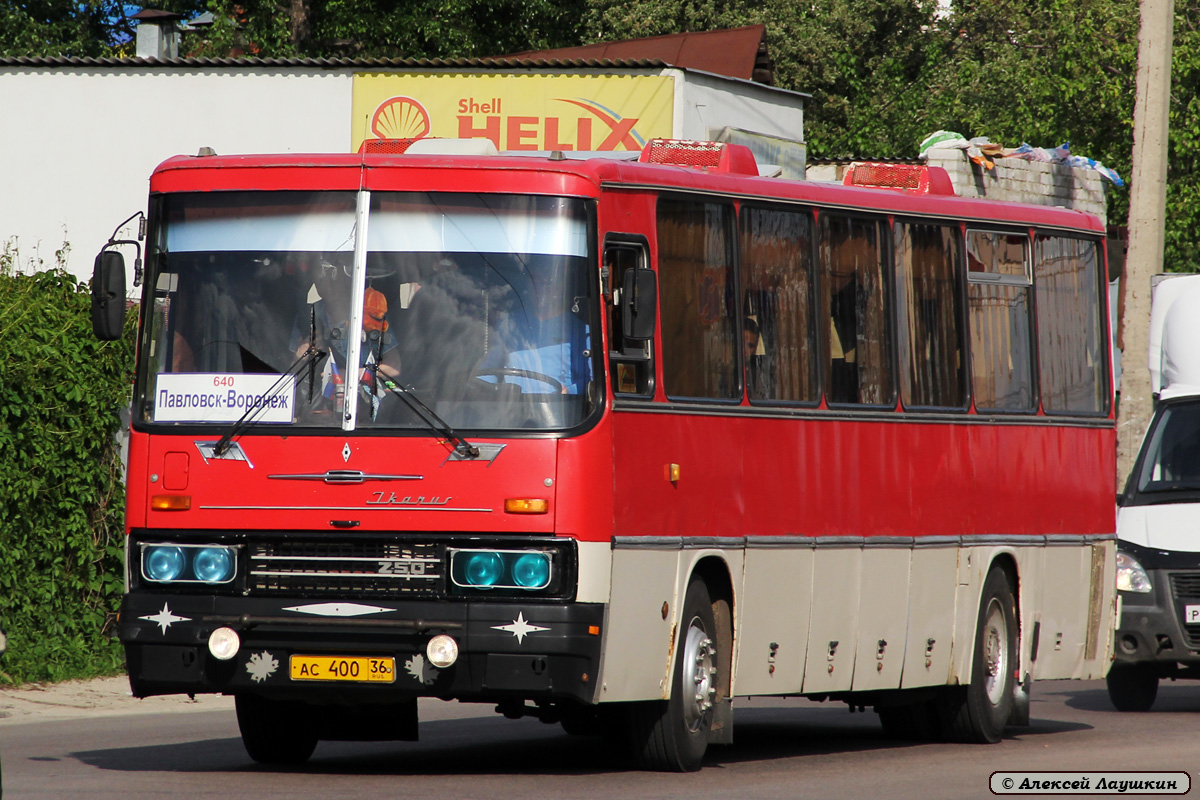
(526, 505)
(171, 502)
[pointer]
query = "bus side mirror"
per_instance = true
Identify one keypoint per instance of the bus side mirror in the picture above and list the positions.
(108, 296)
(639, 298)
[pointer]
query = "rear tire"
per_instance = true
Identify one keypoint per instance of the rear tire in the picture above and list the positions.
(672, 736)
(979, 711)
(274, 732)
(1132, 687)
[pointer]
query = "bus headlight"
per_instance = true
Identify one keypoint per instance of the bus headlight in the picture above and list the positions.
(188, 563)
(163, 564)
(1130, 575)
(526, 570)
(531, 570)
(213, 564)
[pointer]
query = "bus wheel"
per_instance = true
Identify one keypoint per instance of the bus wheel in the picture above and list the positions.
(274, 732)
(672, 736)
(1132, 687)
(979, 712)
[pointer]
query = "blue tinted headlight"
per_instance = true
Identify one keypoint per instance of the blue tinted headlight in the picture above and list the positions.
(531, 571)
(163, 563)
(484, 569)
(213, 564)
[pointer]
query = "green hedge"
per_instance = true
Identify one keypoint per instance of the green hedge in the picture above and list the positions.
(61, 497)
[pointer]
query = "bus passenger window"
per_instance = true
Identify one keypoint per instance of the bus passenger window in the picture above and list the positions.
(696, 296)
(929, 315)
(1071, 356)
(851, 256)
(1001, 339)
(777, 296)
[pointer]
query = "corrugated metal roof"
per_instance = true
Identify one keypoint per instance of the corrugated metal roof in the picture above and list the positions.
(734, 52)
(505, 62)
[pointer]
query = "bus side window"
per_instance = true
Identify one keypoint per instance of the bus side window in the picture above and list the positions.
(1072, 359)
(778, 331)
(998, 297)
(630, 362)
(929, 315)
(859, 366)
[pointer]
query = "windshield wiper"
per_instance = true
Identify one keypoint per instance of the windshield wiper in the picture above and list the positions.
(248, 419)
(426, 414)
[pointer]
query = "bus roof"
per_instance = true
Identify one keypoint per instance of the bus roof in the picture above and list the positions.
(541, 173)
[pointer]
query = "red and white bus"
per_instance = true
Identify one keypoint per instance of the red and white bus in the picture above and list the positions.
(610, 442)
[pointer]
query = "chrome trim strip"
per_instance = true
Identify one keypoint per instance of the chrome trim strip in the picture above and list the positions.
(343, 476)
(888, 541)
(714, 542)
(798, 541)
(345, 558)
(274, 574)
(779, 542)
(396, 507)
(647, 543)
(936, 541)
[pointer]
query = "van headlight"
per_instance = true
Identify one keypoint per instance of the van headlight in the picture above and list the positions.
(1130, 575)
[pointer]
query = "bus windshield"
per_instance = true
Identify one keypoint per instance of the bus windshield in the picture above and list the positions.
(1172, 450)
(480, 306)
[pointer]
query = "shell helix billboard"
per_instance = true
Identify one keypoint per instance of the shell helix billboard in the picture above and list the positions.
(517, 112)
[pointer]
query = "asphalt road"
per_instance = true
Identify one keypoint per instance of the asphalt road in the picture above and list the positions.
(783, 749)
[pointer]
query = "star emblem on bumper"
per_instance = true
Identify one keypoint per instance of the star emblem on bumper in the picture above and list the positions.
(165, 618)
(519, 627)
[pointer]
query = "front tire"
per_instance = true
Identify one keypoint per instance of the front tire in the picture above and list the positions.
(672, 736)
(1132, 687)
(274, 732)
(979, 711)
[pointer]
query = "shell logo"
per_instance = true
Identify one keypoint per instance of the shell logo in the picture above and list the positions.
(400, 118)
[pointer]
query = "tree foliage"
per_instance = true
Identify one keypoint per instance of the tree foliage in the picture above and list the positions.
(61, 496)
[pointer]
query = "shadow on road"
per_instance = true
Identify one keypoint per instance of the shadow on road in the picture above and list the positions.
(1173, 697)
(496, 746)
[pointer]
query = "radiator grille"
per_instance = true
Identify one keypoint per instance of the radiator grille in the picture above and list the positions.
(358, 568)
(1185, 589)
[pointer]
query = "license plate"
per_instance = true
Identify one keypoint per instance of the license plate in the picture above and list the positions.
(364, 669)
(1191, 615)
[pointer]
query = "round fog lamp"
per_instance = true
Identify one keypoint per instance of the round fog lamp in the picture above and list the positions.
(442, 651)
(224, 643)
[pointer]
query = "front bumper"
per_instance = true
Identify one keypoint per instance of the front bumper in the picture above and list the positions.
(507, 649)
(1152, 629)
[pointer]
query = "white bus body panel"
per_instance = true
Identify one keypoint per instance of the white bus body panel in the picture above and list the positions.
(772, 640)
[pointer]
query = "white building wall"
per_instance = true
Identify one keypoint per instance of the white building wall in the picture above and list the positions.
(706, 103)
(79, 141)
(78, 144)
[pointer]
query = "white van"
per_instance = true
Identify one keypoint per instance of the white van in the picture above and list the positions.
(1158, 515)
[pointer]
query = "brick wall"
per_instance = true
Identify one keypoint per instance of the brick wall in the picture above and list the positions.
(1020, 181)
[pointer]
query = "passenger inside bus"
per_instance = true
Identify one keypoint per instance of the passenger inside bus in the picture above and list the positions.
(325, 325)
